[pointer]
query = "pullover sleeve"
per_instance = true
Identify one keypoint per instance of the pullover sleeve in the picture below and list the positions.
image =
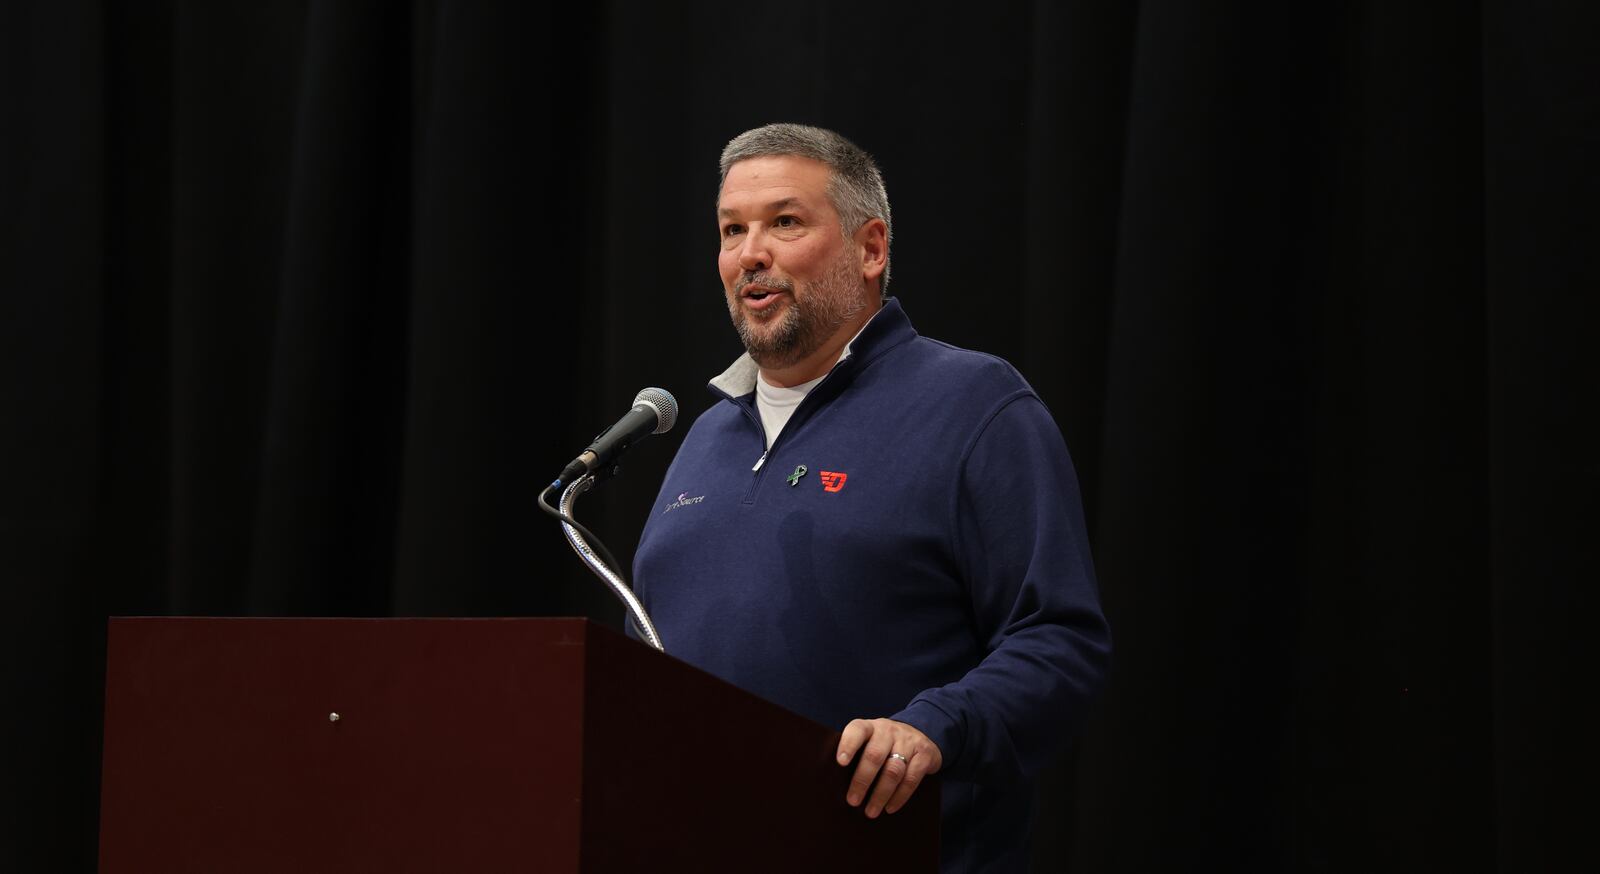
(1019, 538)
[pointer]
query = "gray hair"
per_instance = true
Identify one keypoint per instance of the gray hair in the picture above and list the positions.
(855, 188)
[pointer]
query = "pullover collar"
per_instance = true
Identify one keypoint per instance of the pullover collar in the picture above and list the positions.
(888, 328)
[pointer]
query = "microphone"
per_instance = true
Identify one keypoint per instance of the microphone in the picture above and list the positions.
(654, 412)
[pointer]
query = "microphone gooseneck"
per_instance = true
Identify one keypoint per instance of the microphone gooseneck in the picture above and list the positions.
(654, 411)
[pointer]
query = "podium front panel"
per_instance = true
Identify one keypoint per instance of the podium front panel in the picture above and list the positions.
(393, 745)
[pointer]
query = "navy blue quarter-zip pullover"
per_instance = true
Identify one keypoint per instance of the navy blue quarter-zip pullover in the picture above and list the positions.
(912, 545)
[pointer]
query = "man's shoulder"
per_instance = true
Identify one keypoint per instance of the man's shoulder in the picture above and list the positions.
(947, 367)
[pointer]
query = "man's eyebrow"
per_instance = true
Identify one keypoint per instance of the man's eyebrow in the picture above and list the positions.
(774, 206)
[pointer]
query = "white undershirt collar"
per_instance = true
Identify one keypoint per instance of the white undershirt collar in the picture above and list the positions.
(777, 403)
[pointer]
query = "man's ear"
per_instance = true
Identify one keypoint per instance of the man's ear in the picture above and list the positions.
(873, 238)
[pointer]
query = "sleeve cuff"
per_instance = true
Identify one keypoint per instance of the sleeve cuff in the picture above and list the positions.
(946, 732)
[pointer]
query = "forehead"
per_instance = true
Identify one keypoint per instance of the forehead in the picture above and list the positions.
(757, 182)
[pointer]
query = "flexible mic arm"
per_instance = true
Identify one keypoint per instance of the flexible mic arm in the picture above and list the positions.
(654, 411)
(613, 581)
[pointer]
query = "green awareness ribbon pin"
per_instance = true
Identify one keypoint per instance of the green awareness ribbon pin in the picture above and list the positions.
(794, 478)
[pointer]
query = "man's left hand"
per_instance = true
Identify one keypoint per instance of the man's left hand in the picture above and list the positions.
(895, 754)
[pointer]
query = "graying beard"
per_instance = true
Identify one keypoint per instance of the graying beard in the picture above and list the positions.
(786, 346)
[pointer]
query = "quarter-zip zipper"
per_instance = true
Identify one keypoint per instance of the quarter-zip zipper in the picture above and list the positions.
(755, 417)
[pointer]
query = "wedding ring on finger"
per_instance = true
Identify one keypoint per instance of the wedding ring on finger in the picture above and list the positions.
(901, 758)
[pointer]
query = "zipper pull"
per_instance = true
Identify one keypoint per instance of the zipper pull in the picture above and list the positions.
(760, 461)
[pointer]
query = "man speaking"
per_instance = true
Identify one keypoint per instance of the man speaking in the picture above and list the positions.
(874, 529)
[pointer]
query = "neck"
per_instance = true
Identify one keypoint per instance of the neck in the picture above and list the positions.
(822, 360)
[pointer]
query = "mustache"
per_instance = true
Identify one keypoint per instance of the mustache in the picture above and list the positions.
(763, 279)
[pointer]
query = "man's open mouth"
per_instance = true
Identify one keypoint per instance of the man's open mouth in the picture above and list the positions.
(755, 293)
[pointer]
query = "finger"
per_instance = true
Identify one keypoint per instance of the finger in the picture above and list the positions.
(855, 734)
(872, 756)
(915, 771)
(889, 780)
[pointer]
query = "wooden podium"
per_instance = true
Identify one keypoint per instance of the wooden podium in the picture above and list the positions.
(463, 745)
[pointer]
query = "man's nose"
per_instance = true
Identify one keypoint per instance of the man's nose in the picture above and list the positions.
(753, 252)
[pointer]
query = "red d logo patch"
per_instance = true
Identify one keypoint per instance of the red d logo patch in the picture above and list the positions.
(833, 481)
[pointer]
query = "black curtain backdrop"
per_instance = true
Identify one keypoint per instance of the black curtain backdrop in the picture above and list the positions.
(300, 304)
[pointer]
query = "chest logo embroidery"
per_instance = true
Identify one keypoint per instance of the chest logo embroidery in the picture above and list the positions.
(794, 478)
(683, 501)
(833, 481)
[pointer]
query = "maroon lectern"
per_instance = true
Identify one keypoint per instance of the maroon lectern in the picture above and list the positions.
(463, 745)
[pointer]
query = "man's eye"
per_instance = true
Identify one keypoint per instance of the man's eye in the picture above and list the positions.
(730, 230)
(785, 221)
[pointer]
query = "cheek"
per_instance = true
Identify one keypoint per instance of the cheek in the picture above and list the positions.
(728, 268)
(811, 259)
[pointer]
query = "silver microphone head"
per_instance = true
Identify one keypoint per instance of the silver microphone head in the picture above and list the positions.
(660, 400)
